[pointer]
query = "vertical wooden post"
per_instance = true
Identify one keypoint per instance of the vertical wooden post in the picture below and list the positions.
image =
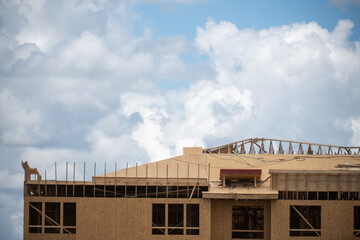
(45, 184)
(198, 183)
(38, 180)
(136, 182)
(177, 180)
(66, 186)
(43, 217)
(84, 180)
(94, 181)
(126, 174)
(55, 180)
(115, 180)
(61, 217)
(209, 169)
(157, 179)
(188, 175)
(74, 181)
(167, 180)
(146, 177)
(104, 179)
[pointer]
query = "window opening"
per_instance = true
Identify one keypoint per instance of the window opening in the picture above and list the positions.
(305, 221)
(176, 219)
(158, 219)
(248, 222)
(192, 219)
(35, 210)
(52, 217)
(69, 218)
(357, 221)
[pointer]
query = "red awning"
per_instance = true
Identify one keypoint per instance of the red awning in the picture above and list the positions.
(240, 174)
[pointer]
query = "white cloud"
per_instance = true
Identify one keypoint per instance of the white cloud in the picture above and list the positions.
(11, 181)
(355, 127)
(186, 117)
(17, 222)
(287, 67)
(19, 122)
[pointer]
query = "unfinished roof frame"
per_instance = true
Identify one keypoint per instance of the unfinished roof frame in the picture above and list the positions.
(258, 146)
(283, 180)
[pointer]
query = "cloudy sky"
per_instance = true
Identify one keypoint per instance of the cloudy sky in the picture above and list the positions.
(135, 81)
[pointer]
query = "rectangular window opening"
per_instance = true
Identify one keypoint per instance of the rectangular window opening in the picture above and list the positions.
(69, 215)
(248, 222)
(52, 217)
(175, 219)
(158, 219)
(305, 221)
(35, 210)
(357, 221)
(192, 219)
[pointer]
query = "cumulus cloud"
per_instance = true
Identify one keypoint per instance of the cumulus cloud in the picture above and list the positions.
(289, 69)
(355, 127)
(185, 118)
(11, 181)
(20, 123)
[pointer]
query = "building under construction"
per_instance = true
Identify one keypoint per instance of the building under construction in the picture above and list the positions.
(250, 189)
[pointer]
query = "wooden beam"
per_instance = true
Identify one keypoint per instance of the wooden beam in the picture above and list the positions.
(192, 192)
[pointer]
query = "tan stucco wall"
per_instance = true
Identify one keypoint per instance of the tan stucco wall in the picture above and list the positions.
(221, 217)
(337, 219)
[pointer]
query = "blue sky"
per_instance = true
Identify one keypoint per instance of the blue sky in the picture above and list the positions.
(136, 81)
(177, 19)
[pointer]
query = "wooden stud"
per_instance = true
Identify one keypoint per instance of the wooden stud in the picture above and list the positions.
(45, 184)
(74, 181)
(177, 180)
(126, 175)
(55, 180)
(115, 182)
(146, 177)
(66, 186)
(84, 179)
(209, 170)
(157, 179)
(136, 182)
(94, 181)
(198, 186)
(104, 179)
(167, 180)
